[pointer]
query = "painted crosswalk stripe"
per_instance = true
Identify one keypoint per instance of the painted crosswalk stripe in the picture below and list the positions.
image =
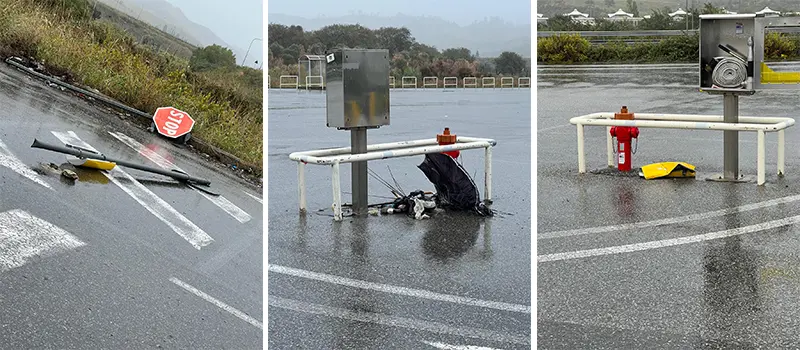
(8, 160)
(24, 237)
(396, 321)
(149, 200)
(254, 197)
(220, 201)
(445, 346)
(233, 311)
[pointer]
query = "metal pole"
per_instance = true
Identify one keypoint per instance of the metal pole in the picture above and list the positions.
(244, 60)
(358, 145)
(730, 138)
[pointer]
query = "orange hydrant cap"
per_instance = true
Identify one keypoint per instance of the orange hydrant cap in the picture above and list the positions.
(446, 138)
(623, 114)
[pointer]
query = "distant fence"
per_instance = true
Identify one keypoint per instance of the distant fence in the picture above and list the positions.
(406, 82)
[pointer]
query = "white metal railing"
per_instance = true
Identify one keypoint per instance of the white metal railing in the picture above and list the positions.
(335, 156)
(450, 82)
(524, 82)
(507, 82)
(761, 125)
(314, 81)
(487, 82)
(430, 82)
(391, 82)
(293, 81)
(408, 81)
(473, 82)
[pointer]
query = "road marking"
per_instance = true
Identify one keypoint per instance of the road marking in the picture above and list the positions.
(254, 197)
(444, 346)
(386, 288)
(669, 221)
(24, 237)
(149, 200)
(669, 242)
(220, 201)
(233, 311)
(8, 160)
(396, 321)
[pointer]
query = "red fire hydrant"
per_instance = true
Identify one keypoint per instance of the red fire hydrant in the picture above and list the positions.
(624, 135)
(447, 139)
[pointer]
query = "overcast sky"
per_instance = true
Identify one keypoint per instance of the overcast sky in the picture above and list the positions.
(463, 12)
(236, 21)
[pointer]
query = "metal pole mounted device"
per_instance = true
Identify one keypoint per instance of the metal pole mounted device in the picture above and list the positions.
(357, 99)
(732, 64)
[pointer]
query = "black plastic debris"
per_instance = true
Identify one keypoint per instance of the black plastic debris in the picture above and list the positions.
(455, 189)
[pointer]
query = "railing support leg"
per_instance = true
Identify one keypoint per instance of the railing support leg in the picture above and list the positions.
(301, 185)
(761, 156)
(581, 155)
(781, 152)
(488, 174)
(337, 193)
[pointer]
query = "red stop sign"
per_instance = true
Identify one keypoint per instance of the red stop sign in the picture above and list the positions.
(172, 122)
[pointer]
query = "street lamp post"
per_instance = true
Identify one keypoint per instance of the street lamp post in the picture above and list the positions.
(244, 61)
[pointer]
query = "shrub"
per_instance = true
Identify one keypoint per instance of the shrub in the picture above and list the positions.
(562, 49)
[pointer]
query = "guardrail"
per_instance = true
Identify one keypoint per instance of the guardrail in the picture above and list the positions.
(473, 82)
(404, 83)
(289, 84)
(490, 81)
(526, 81)
(761, 125)
(450, 82)
(507, 83)
(430, 82)
(615, 33)
(334, 157)
(310, 81)
(391, 82)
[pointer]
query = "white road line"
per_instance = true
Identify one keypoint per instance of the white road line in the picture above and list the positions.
(233, 311)
(386, 288)
(396, 321)
(149, 200)
(254, 197)
(220, 201)
(8, 160)
(669, 242)
(24, 236)
(669, 221)
(445, 346)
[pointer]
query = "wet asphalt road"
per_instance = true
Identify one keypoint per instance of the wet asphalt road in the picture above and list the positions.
(455, 255)
(738, 292)
(128, 285)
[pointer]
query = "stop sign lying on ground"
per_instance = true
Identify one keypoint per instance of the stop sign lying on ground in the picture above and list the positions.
(172, 122)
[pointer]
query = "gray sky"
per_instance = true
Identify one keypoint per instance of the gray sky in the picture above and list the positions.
(462, 12)
(236, 21)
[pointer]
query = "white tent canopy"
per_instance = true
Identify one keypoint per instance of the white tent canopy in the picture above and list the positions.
(576, 13)
(679, 12)
(620, 13)
(768, 10)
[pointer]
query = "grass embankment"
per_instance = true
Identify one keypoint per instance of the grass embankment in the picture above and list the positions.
(574, 49)
(226, 104)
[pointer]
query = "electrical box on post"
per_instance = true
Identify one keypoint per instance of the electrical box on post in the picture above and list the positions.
(357, 88)
(727, 52)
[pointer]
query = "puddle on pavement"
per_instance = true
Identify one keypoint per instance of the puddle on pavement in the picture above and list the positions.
(84, 175)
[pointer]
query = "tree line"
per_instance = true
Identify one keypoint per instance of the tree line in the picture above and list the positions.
(286, 44)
